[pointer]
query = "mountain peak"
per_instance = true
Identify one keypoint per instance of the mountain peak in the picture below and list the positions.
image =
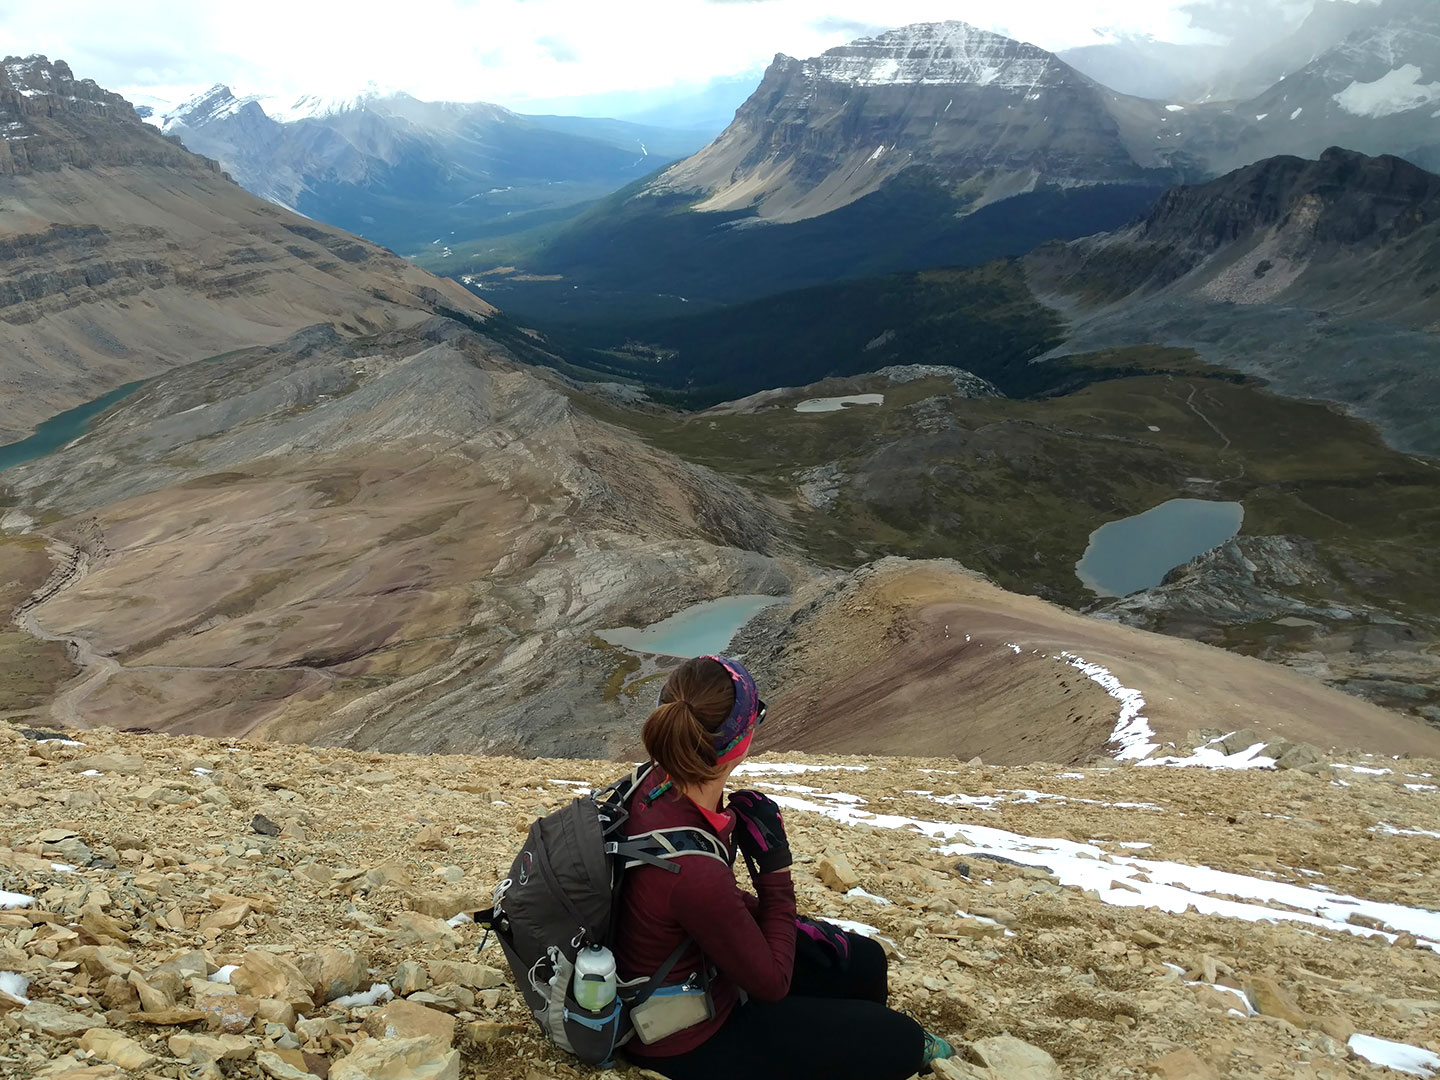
(314, 106)
(934, 54)
(213, 104)
(36, 76)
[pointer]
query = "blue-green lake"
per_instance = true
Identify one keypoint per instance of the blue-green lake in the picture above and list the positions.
(1137, 552)
(62, 428)
(700, 630)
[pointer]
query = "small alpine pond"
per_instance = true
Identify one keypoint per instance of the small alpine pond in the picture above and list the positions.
(699, 630)
(62, 428)
(1137, 552)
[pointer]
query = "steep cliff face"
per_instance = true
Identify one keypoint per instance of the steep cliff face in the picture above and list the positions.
(49, 119)
(1285, 230)
(124, 254)
(989, 115)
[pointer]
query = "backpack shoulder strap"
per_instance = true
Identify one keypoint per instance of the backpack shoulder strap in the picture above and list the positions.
(661, 847)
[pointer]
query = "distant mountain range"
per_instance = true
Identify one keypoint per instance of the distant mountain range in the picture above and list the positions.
(123, 255)
(413, 174)
(941, 144)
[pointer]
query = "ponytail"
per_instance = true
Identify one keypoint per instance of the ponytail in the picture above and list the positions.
(679, 743)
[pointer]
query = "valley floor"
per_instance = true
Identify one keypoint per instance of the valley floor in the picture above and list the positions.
(1272, 924)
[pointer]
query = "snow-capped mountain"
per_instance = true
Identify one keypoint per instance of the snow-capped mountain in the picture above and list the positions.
(1377, 91)
(988, 115)
(1328, 24)
(404, 171)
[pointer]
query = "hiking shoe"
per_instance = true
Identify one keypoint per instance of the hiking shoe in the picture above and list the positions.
(935, 1048)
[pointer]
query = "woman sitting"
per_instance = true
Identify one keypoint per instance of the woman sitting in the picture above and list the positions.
(788, 998)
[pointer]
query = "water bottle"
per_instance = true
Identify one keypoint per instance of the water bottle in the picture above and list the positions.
(594, 978)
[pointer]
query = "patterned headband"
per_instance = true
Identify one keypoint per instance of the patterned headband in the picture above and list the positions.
(745, 713)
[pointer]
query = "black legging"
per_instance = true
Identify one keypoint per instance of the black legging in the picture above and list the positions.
(833, 1025)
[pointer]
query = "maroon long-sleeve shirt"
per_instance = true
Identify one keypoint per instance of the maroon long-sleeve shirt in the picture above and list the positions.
(749, 940)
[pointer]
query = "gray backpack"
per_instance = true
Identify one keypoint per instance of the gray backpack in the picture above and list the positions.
(560, 897)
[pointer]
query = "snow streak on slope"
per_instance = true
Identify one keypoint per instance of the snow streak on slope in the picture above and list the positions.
(1125, 881)
(936, 54)
(1133, 734)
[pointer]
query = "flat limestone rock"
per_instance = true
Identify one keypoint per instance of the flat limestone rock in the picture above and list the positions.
(834, 870)
(276, 1067)
(1009, 1058)
(407, 1020)
(270, 975)
(56, 1021)
(398, 1059)
(110, 1045)
(1182, 1065)
(200, 1049)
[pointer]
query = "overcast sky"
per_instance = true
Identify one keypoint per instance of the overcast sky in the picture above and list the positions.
(511, 51)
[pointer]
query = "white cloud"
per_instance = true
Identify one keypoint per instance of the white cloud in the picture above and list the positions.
(506, 51)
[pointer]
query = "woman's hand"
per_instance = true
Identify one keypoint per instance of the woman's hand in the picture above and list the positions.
(760, 832)
(823, 944)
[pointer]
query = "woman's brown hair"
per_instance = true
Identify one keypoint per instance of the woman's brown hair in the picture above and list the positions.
(696, 701)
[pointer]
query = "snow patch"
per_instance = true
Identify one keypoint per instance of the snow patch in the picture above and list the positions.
(1210, 756)
(223, 974)
(763, 768)
(1296, 114)
(15, 984)
(14, 900)
(1167, 886)
(377, 993)
(858, 893)
(1174, 108)
(1362, 769)
(1396, 92)
(1402, 1057)
(1391, 830)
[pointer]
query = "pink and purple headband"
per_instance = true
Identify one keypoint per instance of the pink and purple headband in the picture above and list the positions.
(733, 737)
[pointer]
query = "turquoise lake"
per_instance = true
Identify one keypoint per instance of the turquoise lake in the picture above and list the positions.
(1137, 552)
(62, 428)
(700, 630)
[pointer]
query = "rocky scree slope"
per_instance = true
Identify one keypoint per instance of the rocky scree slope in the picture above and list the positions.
(185, 908)
(403, 541)
(124, 255)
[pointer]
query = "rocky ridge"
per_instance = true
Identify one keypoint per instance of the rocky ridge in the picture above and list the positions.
(183, 908)
(1282, 231)
(49, 119)
(1274, 587)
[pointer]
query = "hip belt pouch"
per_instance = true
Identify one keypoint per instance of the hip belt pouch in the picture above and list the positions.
(671, 1009)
